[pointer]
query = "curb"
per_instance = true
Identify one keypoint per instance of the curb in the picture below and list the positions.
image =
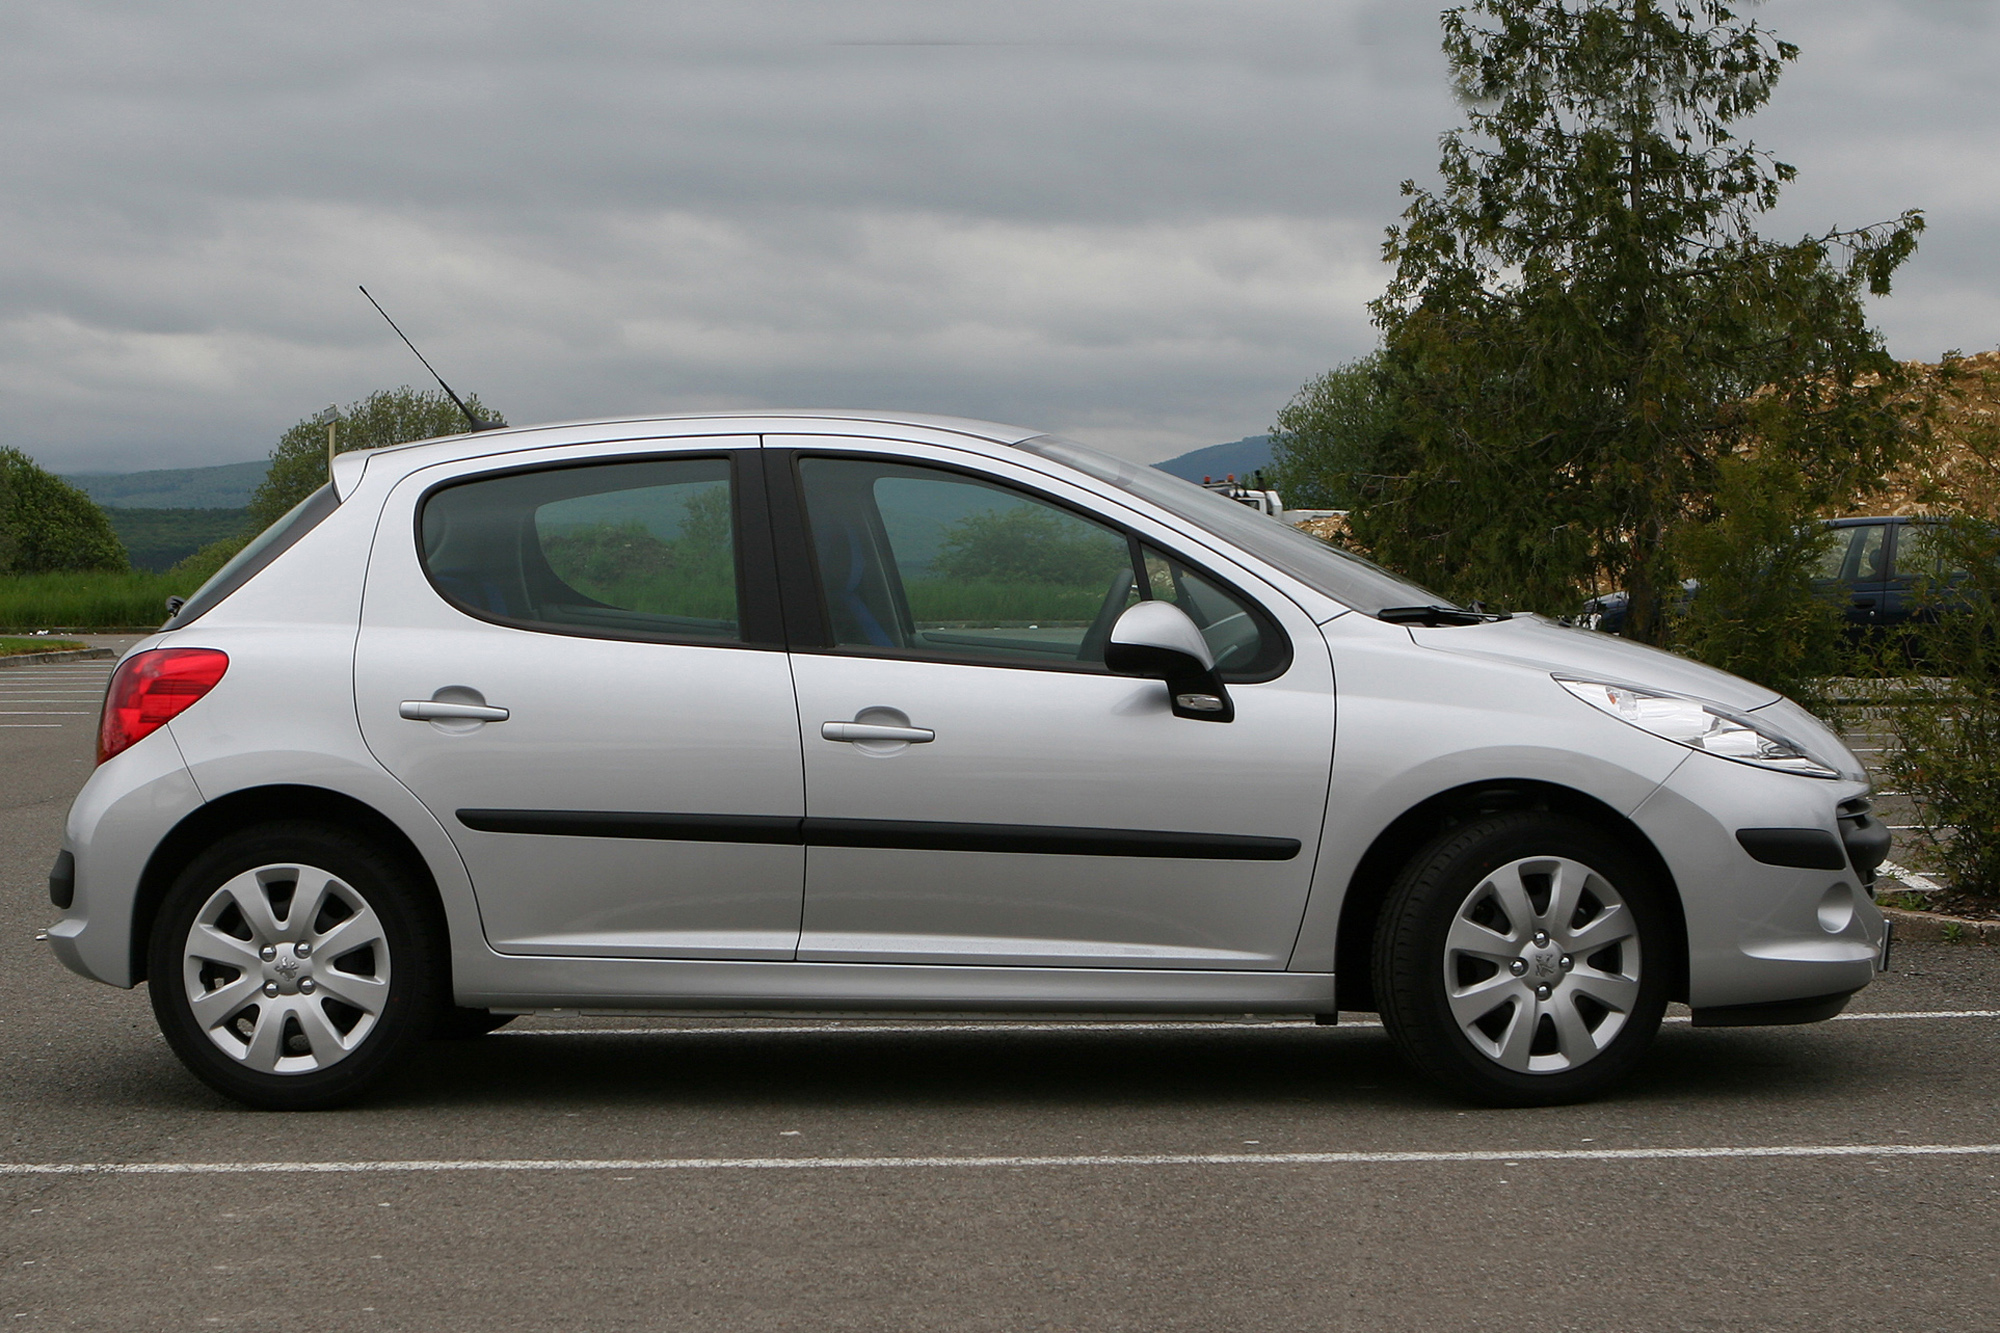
(1936, 928)
(45, 659)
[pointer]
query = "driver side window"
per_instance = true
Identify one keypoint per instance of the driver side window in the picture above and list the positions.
(923, 562)
(938, 564)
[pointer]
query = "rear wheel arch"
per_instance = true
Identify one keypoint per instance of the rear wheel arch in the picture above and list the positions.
(1412, 831)
(259, 805)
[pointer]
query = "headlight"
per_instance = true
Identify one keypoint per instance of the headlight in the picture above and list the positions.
(1701, 726)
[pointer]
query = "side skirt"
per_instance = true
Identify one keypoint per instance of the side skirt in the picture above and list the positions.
(638, 985)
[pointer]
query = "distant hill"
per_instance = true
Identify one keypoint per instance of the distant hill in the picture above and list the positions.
(227, 486)
(1241, 457)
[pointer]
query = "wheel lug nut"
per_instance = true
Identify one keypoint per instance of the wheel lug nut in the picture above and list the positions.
(304, 950)
(1519, 967)
(271, 989)
(306, 986)
(1542, 992)
(1541, 939)
(268, 952)
(1566, 962)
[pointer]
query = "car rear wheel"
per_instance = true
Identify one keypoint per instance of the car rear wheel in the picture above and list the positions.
(291, 963)
(1522, 960)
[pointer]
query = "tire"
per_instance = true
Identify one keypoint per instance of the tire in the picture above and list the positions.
(1523, 960)
(282, 1010)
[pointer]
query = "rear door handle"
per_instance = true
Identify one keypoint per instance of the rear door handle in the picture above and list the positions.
(435, 710)
(874, 731)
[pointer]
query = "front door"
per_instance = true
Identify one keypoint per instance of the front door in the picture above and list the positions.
(1026, 807)
(562, 663)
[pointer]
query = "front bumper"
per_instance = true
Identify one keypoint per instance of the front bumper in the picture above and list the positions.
(1761, 934)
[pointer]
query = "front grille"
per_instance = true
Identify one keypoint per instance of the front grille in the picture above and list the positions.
(1865, 837)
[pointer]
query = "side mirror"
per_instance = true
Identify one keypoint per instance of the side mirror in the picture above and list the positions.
(1158, 641)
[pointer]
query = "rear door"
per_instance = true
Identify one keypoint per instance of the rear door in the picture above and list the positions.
(1044, 812)
(577, 665)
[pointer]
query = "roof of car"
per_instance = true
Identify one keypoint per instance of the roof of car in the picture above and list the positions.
(511, 439)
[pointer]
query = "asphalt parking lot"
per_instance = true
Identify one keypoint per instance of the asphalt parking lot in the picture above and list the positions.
(780, 1174)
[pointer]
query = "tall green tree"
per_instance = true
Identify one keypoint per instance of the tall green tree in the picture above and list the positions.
(49, 526)
(387, 416)
(1584, 321)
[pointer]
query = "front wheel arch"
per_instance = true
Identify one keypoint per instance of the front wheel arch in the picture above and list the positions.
(262, 805)
(1376, 873)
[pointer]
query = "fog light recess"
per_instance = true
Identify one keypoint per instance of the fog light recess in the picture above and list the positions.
(1836, 908)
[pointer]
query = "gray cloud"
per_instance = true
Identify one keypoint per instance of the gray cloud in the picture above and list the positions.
(1143, 224)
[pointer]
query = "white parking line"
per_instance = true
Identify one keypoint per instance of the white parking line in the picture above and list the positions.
(1412, 1157)
(1297, 1025)
(1903, 875)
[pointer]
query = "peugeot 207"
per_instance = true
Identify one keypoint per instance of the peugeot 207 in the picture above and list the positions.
(858, 714)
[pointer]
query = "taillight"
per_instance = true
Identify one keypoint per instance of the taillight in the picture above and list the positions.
(152, 687)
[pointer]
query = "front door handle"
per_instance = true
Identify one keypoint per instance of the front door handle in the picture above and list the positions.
(875, 731)
(439, 710)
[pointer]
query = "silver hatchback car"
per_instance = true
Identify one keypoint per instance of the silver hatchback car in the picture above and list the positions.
(864, 713)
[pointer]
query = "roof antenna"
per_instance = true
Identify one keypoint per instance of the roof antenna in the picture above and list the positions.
(476, 423)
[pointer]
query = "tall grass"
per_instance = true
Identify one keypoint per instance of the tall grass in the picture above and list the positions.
(89, 600)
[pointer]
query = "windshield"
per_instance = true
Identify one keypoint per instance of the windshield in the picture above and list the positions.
(1348, 579)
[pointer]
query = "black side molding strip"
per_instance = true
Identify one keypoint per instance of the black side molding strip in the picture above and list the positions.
(902, 834)
(1800, 848)
(782, 829)
(1055, 839)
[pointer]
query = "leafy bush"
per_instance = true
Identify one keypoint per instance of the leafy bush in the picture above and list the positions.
(388, 416)
(1029, 544)
(48, 525)
(1946, 756)
(1757, 614)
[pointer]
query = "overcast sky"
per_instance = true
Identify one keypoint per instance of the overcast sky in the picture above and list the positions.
(1141, 224)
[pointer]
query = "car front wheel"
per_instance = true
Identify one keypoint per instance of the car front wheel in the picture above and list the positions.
(1522, 960)
(291, 963)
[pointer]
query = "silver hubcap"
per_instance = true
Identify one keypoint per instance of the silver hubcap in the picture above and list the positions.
(286, 968)
(1541, 966)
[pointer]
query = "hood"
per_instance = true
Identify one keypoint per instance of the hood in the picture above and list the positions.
(1534, 641)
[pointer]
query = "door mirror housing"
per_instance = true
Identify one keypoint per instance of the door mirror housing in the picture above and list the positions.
(1158, 641)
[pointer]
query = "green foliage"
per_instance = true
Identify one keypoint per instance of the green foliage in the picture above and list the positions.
(990, 603)
(1028, 544)
(88, 600)
(1757, 614)
(1326, 439)
(48, 525)
(389, 416)
(14, 647)
(194, 570)
(1583, 322)
(157, 539)
(1946, 758)
(625, 565)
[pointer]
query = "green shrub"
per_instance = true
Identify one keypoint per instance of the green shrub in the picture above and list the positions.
(48, 525)
(1946, 755)
(1757, 614)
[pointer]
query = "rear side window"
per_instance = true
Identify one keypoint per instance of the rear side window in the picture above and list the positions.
(253, 559)
(614, 550)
